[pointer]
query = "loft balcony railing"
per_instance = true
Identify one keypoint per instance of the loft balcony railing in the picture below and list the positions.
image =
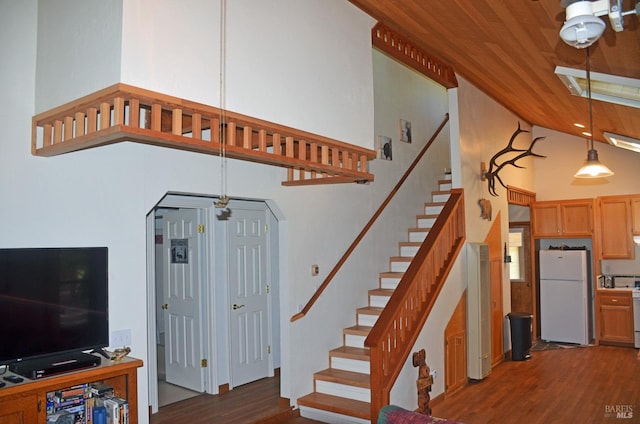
(126, 113)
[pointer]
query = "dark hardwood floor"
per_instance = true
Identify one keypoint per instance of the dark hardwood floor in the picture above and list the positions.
(258, 402)
(578, 385)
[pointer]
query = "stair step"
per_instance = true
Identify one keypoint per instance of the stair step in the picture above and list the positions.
(434, 208)
(350, 358)
(379, 297)
(399, 263)
(426, 221)
(354, 336)
(348, 384)
(368, 315)
(390, 280)
(445, 185)
(409, 248)
(335, 404)
(350, 378)
(358, 330)
(418, 234)
(360, 354)
(440, 196)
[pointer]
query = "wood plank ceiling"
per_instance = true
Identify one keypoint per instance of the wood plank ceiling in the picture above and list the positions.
(510, 49)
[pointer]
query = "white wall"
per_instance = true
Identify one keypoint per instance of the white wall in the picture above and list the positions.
(565, 154)
(101, 196)
(401, 93)
(486, 128)
(295, 63)
(86, 52)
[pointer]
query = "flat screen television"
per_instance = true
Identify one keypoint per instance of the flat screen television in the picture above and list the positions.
(52, 301)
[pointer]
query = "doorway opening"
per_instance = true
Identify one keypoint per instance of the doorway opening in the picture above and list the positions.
(519, 248)
(208, 269)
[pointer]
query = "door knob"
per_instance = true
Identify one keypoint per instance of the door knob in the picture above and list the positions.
(235, 306)
(165, 306)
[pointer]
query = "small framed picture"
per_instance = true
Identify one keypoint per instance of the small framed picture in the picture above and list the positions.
(405, 131)
(384, 147)
(179, 251)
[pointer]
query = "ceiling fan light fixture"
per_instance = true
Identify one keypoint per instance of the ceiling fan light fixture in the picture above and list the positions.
(581, 28)
(592, 167)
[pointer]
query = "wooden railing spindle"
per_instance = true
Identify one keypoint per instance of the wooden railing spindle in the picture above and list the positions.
(105, 115)
(47, 135)
(57, 131)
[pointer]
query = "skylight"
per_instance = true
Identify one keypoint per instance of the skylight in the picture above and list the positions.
(622, 141)
(604, 87)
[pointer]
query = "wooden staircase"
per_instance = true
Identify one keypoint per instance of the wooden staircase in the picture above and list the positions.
(342, 392)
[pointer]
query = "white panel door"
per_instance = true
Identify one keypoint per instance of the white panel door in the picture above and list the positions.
(182, 306)
(250, 317)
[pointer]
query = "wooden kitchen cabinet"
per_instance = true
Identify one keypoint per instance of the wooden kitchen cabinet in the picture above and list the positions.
(566, 218)
(616, 317)
(616, 239)
(635, 215)
(26, 402)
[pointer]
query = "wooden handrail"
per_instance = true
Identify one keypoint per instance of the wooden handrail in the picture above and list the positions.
(398, 326)
(369, 224)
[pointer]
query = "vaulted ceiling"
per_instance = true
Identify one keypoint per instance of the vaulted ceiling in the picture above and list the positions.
(510, 49)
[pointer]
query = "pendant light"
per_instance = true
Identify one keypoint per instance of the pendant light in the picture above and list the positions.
(592, 167)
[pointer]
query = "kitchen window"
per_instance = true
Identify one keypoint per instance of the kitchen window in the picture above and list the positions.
(517, 266)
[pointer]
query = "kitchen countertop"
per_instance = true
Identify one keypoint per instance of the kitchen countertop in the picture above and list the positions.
(623, 289)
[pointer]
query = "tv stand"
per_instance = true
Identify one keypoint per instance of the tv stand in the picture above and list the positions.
(25, 402)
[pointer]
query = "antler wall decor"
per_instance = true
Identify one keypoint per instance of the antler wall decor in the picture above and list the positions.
(491, 175)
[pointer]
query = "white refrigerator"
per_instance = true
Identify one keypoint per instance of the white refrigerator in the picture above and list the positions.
(565, 297)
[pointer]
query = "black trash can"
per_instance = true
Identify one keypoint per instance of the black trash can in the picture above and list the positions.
(521, 323)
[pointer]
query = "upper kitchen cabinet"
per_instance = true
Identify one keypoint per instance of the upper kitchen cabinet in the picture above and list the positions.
(635, 215)
(564, 218)
(616, 220)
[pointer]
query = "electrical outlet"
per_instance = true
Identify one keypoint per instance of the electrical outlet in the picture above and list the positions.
(120, 338)
(434, 374)
(315, 270)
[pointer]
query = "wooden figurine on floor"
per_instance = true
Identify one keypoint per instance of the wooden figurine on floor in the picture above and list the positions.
(424, 382)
